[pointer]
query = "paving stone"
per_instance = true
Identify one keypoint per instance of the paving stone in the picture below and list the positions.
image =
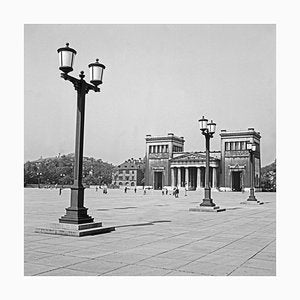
(260, 264)
(264, 255)
(59, 260)
(96, 266)
(162, 262)
(55, 249)
(90, 252)
(67, 272)
(207, 268)
(136, 270)
(246, 271)
(180, 273)
(34, 255)
(223, 259)
(126, 258)
(34, 269)
(181, 255)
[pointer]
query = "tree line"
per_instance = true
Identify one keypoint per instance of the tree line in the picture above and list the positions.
(59, 170)
(268, 177)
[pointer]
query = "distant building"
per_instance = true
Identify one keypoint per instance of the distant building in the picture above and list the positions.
(129, 173)
(159, 152)
(167, 164)
(235, 159)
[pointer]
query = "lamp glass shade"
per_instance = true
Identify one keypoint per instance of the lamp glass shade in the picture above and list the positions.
(96, 72)
(203, 123)
(253, 147)
(211, 127)
(66, 57)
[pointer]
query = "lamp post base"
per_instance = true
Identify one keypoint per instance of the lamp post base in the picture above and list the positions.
(76, 216)
(207, 209)
(251, 198)
(74, 229)
(256, 202)
(76, 213)
(208, 202)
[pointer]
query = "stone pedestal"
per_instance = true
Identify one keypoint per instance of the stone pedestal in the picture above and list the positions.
(74, 229)
(207, 209)
(253, 203)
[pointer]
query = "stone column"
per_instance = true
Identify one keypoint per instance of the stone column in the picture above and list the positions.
(179, 177)
(187, 177)
(172, 177)
(214, 178)
(198, 178)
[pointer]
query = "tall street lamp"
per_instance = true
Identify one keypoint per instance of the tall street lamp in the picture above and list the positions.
(77, 213)
(251, 147)
(76, 221)
(208, 130)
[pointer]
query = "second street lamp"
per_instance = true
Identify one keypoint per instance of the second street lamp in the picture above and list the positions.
(251, 147)
(208, 130)
(39, 174)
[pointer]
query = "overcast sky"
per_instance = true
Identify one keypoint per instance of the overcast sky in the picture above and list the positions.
(158, 79)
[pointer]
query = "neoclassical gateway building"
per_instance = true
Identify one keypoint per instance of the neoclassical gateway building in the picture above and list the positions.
(167, 164)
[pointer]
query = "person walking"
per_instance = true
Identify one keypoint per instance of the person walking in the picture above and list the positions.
(135, 189)
(185, 189)
(177, 192)
(125, 189)
(60, 191)
(105, 189)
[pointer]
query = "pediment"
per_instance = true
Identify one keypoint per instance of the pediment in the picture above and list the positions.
(190, 156)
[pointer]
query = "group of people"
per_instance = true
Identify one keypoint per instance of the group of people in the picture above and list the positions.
(126, 189)
(175, 191)
(104, 188)
(164, 191)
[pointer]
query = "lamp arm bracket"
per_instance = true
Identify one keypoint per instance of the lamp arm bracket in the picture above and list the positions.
(80, 83)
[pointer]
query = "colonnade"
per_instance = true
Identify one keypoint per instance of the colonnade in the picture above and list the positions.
(189, 176)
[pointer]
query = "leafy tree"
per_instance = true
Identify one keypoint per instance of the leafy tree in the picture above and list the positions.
(59, 170)
(268, 177)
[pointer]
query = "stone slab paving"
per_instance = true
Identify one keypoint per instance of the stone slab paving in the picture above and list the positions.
(155, 235)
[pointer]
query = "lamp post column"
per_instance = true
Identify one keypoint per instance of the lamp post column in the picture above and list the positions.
(77, 213)
(207, 201)
(251, 196)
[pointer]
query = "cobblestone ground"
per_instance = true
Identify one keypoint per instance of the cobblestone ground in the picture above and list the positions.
(156, 235)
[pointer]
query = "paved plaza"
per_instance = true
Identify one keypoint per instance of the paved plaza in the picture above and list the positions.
(156, 235)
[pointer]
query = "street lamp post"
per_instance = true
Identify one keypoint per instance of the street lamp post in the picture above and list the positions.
(39, 174)
(76, 221)
(77, 213)
(208, 130)
(251, 147)
(62, 176)
(207, 205)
